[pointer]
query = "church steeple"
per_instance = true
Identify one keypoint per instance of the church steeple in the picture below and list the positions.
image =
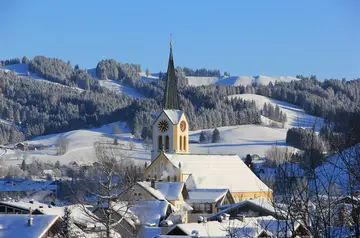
(171, 97)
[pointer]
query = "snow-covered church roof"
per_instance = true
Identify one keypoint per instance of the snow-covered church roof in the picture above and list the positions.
(173, 115)
(217, 172)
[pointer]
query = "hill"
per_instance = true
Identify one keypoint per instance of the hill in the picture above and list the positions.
(238, 80)
(295, 115)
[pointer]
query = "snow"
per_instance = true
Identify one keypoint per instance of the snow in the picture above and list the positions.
(150, 211)
(241, 140)
(171, 190)
(296, 117)
(249, 227)
(26, 185)
(256, 202)
(119, 88)
(22, 69)
(205, 195)
(152, 191)
(238, 80)
(17, 225)
(81, 146)
(333, 175)
(218, 172)
(174, 115)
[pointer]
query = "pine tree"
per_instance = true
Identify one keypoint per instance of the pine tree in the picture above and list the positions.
(23, 165)
(202, 137)
(215, 136)
(265, 110)
(67, 224)
(249, 163)
(57, 164)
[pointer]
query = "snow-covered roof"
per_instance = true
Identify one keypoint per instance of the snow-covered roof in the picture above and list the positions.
(171, 190)
(17, 225)
(42, 207)
(205, 195)
(25, 185)
(257, 202)
(150, 211)
(218, 172)
(154, 192)
(174, 115)
(249, 228)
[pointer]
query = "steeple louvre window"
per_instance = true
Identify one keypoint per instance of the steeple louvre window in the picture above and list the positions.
(167, 143)
(160, 143)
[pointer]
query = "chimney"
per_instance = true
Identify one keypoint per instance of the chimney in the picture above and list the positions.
(153, 183)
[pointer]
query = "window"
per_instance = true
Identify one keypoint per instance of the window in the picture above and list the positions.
(168, 178)
(202, 207)
(184, 138)
(2, 209)
(181, 143)
(208, 207)
(10, 210)
(167, 142)
(160, 142)
(175, 179)
(161, 166)
(139, 194)
(155, 177)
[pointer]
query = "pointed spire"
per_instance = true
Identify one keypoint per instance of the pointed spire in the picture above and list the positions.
(171, 100)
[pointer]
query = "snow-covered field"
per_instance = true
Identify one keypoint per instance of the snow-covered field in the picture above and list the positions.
(241, 140)
(81, 146)
(238, 80)
(296, 117)
(117, 87)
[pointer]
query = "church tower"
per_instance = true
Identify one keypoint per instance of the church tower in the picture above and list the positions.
(170, 128)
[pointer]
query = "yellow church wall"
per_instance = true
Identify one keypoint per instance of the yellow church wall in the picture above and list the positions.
(178, 133)
(241, 196)
(161, 164)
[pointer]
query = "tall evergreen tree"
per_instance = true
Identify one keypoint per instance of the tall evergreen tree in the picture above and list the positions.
(215, 136)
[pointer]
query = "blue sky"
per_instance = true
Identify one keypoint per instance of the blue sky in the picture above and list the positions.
(271, 38)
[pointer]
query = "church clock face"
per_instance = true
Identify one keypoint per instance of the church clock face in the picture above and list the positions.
(183, 126)
(163, 125)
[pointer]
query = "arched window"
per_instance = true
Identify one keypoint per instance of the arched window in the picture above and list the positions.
(175, 178)
(184, 138)
(161, 166)
(167, 142)
(155, 177)
(168, 178)
(181, 143)
(160, 142)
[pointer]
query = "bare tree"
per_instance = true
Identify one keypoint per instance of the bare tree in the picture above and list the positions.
(110, 182)
(147, 144)
(62, 145)
(131, 144)
(116, 129)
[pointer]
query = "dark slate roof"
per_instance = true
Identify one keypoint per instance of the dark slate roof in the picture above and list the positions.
(171, 97)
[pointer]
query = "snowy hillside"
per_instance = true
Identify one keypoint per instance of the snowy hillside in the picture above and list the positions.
(241, 140)
(81, 147)
(22, 69)
(295, 115)
(119, 88)
(238, 80)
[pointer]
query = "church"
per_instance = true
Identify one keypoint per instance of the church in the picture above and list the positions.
(172, 161)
